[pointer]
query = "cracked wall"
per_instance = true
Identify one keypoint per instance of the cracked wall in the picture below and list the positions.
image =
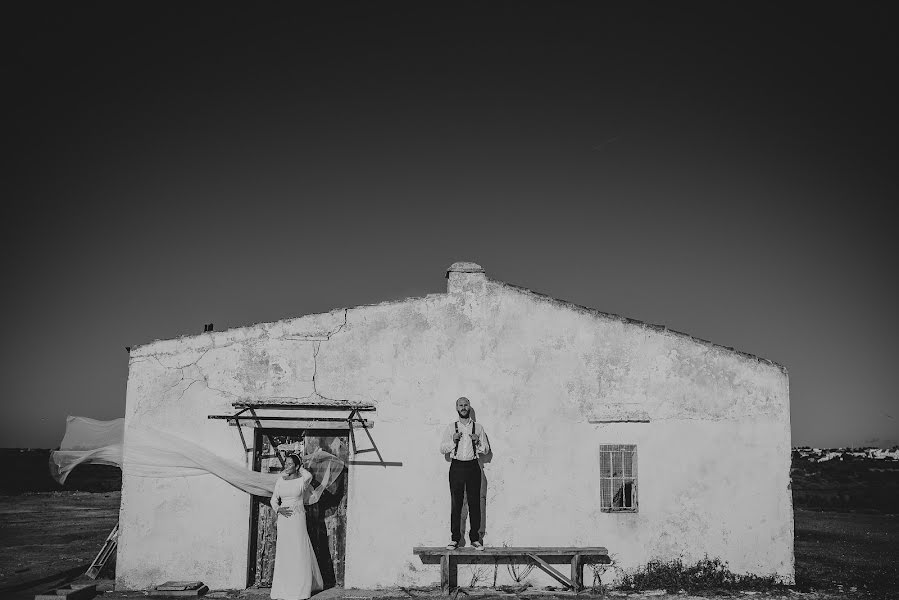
(544, 377)
(197, 527)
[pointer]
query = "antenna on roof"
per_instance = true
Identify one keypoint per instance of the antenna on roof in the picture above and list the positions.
(207, 327)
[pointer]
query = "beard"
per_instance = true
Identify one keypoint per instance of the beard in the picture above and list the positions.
(464, 413)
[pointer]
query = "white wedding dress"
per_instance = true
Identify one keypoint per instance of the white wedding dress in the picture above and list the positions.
(297, 575)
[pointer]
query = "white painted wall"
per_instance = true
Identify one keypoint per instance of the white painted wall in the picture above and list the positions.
(713, 461)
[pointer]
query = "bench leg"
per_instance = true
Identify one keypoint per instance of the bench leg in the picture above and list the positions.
(447, 573)
(577, 572)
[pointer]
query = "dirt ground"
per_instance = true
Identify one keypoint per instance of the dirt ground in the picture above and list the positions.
(48, 539)
(847, 550)
(50, 536)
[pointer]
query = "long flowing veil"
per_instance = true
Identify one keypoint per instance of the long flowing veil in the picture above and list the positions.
(152, 452)
(326, 469)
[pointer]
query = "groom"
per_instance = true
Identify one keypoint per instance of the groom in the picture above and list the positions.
(464, 440)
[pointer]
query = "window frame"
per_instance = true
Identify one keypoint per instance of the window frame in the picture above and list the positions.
(617, 482)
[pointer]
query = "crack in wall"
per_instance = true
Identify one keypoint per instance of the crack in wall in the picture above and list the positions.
(316, 348)
(316, 341)
(319, 338)
(323, 337)
(194, 363)
(184, 391)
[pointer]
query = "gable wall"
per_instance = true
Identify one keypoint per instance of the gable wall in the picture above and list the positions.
(713, 461)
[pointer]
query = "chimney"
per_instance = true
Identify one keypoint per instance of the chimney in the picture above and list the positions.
(465, 276)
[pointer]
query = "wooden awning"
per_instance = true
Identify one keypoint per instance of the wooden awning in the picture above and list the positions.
(258, 414)
(253, 414)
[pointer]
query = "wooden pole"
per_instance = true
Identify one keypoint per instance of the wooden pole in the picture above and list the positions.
(577, 572)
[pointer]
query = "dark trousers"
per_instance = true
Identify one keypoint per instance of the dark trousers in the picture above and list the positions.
(465, 478)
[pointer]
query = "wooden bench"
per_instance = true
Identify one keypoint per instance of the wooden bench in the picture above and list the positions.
(542, 557)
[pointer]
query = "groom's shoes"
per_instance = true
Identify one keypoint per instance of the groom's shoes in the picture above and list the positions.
(452, 545)
(477, 546)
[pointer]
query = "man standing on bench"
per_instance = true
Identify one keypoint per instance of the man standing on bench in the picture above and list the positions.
(464, 440)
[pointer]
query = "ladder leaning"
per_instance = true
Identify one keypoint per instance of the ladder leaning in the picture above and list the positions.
(105, 552)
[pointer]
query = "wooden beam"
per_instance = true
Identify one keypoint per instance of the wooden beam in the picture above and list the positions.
(584, 551)
(304, 406)
(549, 570)
(448, 579)
(362, 422)
(577, 572)
(294, 422)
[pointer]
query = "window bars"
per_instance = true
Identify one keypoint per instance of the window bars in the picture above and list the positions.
(618, 477)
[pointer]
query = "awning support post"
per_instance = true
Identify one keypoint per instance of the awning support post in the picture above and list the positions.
(246, 449)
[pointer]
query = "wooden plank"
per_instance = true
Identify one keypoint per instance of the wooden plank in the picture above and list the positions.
(453, 571)
(577, 572)
(286, 418)
(516, 550)
(179, 585)
(294, 422)
(304, 405)
(71, 592)
(448, 573)
(374, 446)
(182, 593)
(549, 570)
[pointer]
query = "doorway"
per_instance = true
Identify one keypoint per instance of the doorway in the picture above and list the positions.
(325, 520)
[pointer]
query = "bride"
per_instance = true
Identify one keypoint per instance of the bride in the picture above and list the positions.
(297, 574)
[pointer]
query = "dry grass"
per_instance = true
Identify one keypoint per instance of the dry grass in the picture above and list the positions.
(707, 575)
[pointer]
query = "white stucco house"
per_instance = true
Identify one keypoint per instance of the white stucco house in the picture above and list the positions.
(604, 431)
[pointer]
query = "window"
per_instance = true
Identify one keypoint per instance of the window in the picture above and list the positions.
(618, 477)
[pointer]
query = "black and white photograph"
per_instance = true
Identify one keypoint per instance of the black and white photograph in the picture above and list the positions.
(450, 301)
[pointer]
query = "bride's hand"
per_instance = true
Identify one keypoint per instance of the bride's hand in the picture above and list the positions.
(285, 511)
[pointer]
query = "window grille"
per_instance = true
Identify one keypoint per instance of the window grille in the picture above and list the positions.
(618, 477)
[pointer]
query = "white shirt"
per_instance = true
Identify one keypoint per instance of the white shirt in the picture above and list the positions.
(466, 450)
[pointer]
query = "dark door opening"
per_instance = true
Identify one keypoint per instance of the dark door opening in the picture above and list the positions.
(325, 520)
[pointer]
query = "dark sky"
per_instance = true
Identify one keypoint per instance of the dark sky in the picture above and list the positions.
(726, 170)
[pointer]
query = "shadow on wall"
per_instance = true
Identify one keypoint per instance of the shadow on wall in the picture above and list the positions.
(318, 532)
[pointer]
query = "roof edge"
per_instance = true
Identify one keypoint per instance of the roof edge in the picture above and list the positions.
(614, 317)
(511, 286)
(345, 309)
